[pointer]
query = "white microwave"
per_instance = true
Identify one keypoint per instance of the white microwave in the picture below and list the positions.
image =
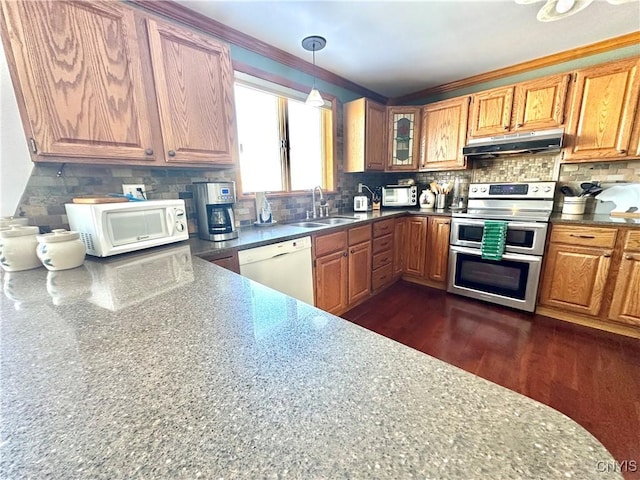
(111, 228)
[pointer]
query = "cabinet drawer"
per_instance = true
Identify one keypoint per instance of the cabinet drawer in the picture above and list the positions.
(632, 242)
(359, 234)
(383, 243)
(332, 242)
(587, 236)
(381, 277)
(383, 227)
(382, 258)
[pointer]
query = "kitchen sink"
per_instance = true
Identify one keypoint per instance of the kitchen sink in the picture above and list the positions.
(323, 222)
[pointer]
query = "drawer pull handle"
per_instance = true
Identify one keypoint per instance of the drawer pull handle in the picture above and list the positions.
(581, 236)
(385, 259)
(384, 277)
(606, 255)
(630, 257)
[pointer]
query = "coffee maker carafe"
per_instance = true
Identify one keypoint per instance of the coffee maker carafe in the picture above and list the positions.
(214, 206)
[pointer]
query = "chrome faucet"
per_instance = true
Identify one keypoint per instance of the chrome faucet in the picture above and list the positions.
(313, 199)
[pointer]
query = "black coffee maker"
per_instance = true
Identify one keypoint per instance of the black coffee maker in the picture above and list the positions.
(214, 206)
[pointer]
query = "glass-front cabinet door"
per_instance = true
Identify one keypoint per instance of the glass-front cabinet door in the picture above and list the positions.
(404, 147)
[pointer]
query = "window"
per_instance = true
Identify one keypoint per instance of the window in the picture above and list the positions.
(285, 145)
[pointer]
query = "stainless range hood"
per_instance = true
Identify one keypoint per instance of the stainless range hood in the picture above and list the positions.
(542, 141)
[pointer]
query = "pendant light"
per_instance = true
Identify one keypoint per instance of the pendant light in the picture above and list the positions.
(313, 44)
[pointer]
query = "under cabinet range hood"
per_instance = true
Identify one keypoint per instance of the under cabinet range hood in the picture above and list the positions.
(541, 141)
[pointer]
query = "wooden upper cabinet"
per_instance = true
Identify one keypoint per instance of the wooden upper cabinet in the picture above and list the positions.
(404, 145)
(78, 74)
(531, 105)
(194, 87)
(365, 136)
(443, 134)
(540, 103)
(491, 112)
(604, 103)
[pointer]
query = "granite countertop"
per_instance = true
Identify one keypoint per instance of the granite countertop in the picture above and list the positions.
(603, 219)
(161, 365)
(254, 236)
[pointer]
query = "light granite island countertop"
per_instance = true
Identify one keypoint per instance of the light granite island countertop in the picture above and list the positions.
(161, 365)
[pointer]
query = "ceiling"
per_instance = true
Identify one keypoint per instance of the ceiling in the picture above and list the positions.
(395, 48)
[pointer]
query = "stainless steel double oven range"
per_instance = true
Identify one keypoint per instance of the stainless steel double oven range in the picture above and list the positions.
(513, 280)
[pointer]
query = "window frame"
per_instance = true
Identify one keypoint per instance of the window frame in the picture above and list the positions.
(330, 173)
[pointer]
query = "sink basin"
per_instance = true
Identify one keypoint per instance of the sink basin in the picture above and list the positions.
(334, 220)
(308, 224)
(323, 222)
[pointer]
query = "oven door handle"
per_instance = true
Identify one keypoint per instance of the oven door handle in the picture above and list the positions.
(510, 224)
(516, 257)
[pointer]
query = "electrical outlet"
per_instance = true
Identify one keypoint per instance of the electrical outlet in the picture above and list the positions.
(360, 188)
(136, 191)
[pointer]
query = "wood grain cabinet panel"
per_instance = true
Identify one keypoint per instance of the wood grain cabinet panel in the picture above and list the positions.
(625, 305)
(415, 243)
(443, 134)
(398, 250)
(540, 103)
(331, 282)
(438, 249)
(194, 84)
(605, 99)
(491, 112)
(574, 278)
(359, 272)
(79, 80)
(365, 126)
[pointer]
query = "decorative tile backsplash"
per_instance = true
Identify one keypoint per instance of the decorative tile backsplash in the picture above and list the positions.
(46, 192)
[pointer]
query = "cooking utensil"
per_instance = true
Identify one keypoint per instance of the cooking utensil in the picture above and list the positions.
(589, 189)
(566, 190)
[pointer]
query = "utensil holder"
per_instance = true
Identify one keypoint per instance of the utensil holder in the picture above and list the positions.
(574, 205)
(441, 200)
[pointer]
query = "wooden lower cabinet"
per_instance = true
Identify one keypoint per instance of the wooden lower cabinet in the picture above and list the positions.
(359, 272)
(342, 268)
(426, 250)
(415, 245)
(331, 282)
(398, 242)
(625, 304)
(591, 276)
(574, 278)
(227, 260)
(438, 249)
(384, 248)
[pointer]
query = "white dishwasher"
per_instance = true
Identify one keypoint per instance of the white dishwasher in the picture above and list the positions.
(284, 266)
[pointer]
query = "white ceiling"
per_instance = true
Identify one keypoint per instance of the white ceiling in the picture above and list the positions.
(399, 47)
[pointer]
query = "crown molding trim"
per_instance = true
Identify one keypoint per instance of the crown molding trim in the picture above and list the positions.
(176, 12)
(550, 60)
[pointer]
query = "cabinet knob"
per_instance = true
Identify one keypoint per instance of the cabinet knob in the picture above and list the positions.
(345, 254)
(630, 257)
(172, 153)
(506, 127)
(148, 151)
(518, 125)
(353, 251)
(622, 150)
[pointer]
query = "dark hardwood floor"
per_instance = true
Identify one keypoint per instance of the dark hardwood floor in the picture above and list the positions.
(591, 376)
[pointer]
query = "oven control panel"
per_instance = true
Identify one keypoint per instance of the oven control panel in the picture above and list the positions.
(532, 190)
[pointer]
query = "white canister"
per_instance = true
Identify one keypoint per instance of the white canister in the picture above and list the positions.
(8, 221)
(574, 205)
(18, 248)
(427, 199)
(61, 250)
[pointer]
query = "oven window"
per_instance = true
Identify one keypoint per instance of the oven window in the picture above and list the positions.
(515, 238)
(504, 278)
